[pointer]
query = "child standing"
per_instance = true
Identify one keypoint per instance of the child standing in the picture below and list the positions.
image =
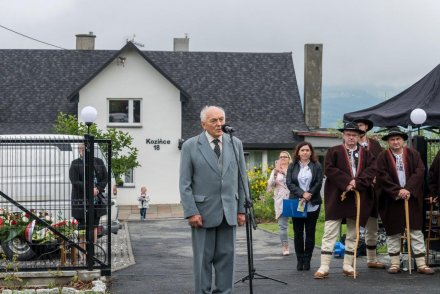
(144, 200)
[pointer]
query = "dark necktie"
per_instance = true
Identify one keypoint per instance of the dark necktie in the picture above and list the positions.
(216, 147)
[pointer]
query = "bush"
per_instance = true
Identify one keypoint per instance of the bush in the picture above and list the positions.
(264, 208)
(262, 200)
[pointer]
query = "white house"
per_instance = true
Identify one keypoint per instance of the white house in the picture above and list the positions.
(155, 96)
(135, 97)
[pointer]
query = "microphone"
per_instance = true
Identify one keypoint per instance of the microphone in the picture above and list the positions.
(227, 129)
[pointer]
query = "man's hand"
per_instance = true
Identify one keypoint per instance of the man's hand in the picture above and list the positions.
(433, 200)
(404, 194)
(195, 221)
(353, 183)
(241, 219)
(95, 191)
(351, 186)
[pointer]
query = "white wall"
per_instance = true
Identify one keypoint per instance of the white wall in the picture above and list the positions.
(160, 116)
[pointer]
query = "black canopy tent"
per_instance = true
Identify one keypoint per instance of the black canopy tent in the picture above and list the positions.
(424, 94)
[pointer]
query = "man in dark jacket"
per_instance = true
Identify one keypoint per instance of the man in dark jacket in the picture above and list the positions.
(76, 175)
(348, 167)
(400, 178)
(371, 226)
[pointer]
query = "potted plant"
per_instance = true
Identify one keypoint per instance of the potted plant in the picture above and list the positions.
(119, 182)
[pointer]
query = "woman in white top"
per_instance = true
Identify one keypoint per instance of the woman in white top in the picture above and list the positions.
(277, 184)
(304, 180)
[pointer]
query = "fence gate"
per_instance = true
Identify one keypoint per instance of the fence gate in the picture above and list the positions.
(53, 202)
(428, 149)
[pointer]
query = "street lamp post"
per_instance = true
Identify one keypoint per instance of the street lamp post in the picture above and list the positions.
(89, 115)
(418, 117)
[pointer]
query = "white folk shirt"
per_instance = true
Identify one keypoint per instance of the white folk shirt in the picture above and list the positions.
(353, 156)
(400, 168)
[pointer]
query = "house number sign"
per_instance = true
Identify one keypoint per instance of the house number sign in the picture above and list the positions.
(157, 142)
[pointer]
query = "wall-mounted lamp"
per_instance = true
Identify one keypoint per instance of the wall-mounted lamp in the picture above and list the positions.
(121, 60)
(179, 145)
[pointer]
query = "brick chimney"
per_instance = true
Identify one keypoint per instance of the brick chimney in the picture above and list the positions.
(312, 85)
(85, 41)
(181, 44)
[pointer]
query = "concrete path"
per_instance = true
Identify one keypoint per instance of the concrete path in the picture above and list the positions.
(154, 212)
(163, 264)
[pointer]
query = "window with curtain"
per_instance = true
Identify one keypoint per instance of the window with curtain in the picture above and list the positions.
(124, 111)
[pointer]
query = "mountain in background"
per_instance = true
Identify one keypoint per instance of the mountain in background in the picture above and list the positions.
(336, 101)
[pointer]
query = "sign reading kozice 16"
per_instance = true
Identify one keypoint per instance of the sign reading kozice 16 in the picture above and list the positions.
(157, 142)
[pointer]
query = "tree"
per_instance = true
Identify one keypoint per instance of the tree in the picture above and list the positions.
(124, 155)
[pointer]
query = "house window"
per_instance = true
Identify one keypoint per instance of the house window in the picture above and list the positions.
(254, 160)
(124, 111)
(129, 181)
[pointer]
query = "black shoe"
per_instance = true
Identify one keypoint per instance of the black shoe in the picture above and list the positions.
(300, 264)
(306, 265)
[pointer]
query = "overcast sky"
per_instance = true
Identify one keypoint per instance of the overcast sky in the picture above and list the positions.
(374, 43)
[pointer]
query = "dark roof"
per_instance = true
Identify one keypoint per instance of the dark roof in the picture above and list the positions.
(35, 84)
(257, 90)
(396, 111)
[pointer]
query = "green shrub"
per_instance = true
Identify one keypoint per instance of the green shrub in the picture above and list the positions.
(264, 208)
(262, 200)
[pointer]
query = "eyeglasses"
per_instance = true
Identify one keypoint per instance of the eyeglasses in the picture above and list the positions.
(284, 157)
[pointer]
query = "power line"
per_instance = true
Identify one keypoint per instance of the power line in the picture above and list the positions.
(23, 35)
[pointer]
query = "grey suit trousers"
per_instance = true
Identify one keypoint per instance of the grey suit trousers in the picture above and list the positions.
(214, 248)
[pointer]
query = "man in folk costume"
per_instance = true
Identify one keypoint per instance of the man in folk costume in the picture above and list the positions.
(400, 177)
(348, 167)
(371, 227)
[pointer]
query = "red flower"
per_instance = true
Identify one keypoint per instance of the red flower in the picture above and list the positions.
(13, 222)
(1, 221)
(59, 224)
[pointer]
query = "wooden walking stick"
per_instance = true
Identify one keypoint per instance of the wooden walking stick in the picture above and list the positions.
(358, 213)
(408, 235)
(429, 233)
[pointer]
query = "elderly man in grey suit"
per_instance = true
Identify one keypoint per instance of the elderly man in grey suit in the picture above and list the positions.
(212, 196)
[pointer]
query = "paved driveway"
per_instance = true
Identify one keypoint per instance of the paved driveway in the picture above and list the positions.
(162, 252)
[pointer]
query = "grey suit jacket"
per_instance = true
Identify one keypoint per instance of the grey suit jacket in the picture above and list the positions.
(207, 190)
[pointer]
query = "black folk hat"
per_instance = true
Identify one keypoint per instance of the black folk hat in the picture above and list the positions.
(368, 122)
(395, 131)
(351, 126)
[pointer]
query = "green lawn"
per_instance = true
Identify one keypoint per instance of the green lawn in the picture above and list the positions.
(273, 227)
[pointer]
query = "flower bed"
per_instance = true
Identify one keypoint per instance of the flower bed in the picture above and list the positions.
(25, 226)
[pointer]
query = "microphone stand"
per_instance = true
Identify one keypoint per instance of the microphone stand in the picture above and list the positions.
(250, 224)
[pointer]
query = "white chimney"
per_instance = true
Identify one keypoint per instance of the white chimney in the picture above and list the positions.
(181, 44)
(85, 41)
